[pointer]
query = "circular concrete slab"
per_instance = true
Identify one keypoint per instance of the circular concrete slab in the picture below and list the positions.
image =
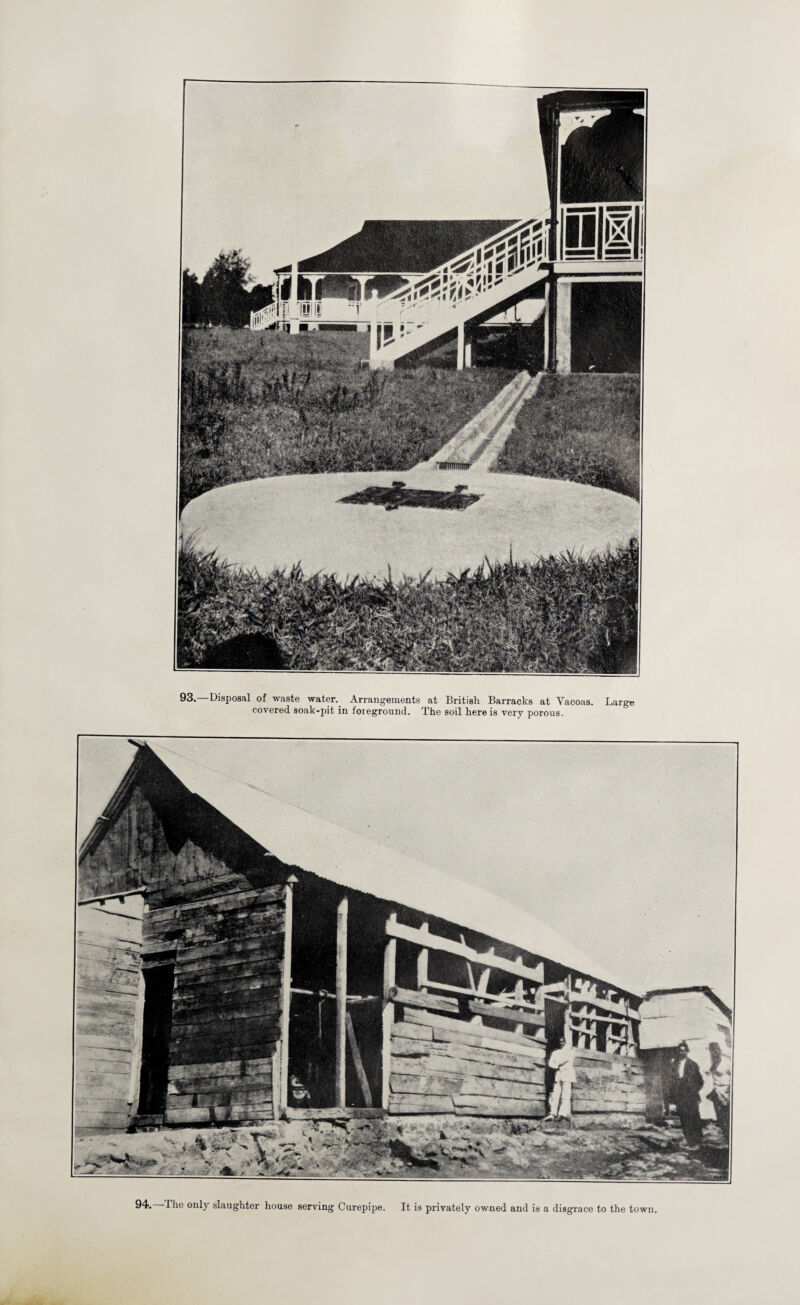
(263, 524)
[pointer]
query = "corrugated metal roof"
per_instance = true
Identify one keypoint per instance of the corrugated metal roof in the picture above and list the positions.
(301, 839)
(402, 246)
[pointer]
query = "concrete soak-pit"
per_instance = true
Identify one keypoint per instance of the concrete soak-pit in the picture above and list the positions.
(280, 521)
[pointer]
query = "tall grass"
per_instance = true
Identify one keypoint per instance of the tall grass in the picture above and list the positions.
(268, 404)
(559, 615)
(581, 428)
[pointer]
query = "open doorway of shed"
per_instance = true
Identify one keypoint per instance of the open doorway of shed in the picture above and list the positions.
(156, 1031)
(318, 1037)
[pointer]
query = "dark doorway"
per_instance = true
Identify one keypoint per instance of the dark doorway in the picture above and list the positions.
(156, 1030)
(606, 326)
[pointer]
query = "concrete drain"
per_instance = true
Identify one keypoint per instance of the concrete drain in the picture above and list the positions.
(401, 495)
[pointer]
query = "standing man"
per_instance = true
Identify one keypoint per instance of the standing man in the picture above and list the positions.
(687, 1085)
(562, 1060)
(720, 1094)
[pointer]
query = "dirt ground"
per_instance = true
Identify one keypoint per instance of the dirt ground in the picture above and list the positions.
(424, 1147)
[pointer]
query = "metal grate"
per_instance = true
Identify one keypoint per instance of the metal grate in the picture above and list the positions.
(398, 494)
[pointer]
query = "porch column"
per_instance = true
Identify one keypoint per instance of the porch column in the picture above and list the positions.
(464, 348)
(313, 320)
(546, 326)
(341, 1003)
(294, 318)
(563, 331)
(362, 323)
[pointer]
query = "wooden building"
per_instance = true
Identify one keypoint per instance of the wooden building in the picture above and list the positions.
(240, 960)
(670, 1016)
(336, 287)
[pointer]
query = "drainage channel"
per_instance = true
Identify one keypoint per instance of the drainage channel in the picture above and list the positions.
(477, 445)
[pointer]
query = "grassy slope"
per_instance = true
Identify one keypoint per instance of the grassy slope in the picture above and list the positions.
(581, 428)
(559, 615)
(268, 404)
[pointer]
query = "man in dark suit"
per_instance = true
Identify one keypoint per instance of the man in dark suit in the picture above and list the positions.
(687, 1084)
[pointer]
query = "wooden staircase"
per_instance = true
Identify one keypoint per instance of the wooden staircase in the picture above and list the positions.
(472, 287)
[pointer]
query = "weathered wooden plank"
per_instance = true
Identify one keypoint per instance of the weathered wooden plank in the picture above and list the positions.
(422, 939)
(607, 1057)
(227, 982)
(256, 994)
(410, 1104)
(476, 1068)
(193, 1116)
(467, 1085)
(403, 1028)
(496, 1012)
(423, 1000)
(265, 958)
(231, 947)
(468, 1051)
(226, 1068)
(471, 1034)
(500, 1109)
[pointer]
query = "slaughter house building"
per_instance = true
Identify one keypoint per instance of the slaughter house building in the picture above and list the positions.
(239, 960)
(577, 268)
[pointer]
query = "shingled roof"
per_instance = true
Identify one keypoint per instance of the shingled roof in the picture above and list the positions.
(402, 246)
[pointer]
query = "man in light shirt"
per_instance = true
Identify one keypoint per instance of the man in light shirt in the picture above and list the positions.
(720, 1094)
(562, 1060)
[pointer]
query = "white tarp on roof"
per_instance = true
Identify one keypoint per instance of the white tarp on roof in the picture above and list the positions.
(308, 842)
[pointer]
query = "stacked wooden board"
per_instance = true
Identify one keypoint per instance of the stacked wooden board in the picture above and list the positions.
(227, 1004)
(441, 1065)
(608, 1084)
(107, 1003)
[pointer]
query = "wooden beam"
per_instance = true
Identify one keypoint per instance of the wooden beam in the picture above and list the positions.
(357, 1061)
(454, 1006)
(341, 1003)
(422, 960)
(286, 993)
(389, 972)
(431, 940)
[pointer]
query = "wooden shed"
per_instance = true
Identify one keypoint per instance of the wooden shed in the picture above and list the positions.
(672, 1015)
(240, 960)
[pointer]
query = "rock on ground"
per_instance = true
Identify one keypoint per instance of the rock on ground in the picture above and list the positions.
(416, 1147)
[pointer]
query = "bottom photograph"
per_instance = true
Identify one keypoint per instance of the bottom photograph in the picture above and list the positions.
(404, 959)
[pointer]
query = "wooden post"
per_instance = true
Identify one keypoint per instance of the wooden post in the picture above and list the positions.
(341, 1003)
(422, 962)
(282, 1061)
(460, 347)
(519, 990)
(389, 975)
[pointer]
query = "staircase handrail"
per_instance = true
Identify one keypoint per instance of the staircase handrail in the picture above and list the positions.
(448, 282)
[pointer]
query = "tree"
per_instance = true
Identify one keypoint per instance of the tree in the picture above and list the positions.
(225, 297)
(191, 302)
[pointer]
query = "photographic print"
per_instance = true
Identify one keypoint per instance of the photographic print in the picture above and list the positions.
(404, 959)
(410, 385)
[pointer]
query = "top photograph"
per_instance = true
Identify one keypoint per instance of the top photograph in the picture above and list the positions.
(410, 378)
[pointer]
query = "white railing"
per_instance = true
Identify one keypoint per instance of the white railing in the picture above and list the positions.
(264, 318)
(601, 232)
(479, 269)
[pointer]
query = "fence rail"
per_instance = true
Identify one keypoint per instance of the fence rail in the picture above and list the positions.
(601, 232)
